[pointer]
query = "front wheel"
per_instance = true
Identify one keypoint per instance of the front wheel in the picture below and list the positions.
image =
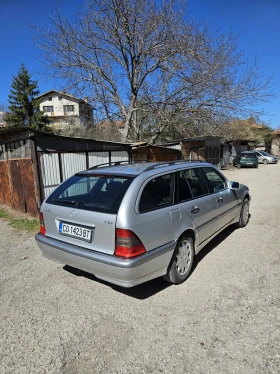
(244, 214)
(182, 261)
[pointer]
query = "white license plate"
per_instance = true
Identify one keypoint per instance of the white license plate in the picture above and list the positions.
(78, 232)
(249, 163)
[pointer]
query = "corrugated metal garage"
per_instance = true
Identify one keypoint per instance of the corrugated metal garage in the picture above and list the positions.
(33, 163)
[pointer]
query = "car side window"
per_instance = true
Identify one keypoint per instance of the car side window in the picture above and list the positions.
(184, 190)
(196, 182)
(215, 180)
(157, 193)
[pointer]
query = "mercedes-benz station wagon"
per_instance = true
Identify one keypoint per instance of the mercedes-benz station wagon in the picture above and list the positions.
(130, 223)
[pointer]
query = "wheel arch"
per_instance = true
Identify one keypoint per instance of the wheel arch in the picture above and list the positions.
(190, 232)
(246, 196)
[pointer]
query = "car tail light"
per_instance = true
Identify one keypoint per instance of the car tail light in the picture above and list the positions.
(42, 225)
(128, 244)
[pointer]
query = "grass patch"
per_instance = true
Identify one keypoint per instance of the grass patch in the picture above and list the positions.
(3, 214)
(25, 224)
(20, 222)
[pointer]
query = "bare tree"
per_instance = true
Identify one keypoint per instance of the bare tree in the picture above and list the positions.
(139, 59)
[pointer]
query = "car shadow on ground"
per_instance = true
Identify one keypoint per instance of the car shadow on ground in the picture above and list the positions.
(212, 245)
(141, 292)
(151, 288)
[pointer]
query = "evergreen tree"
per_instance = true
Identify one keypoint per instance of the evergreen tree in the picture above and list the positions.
(24, 105)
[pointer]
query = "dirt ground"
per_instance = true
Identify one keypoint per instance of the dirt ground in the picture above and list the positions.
(224, 319)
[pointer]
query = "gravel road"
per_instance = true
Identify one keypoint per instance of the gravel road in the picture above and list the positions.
(224, 319)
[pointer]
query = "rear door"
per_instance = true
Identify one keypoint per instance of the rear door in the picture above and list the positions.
(197, 202)
(159, 219)
(83, 210)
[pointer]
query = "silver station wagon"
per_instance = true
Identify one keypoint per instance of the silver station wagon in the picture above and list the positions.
(130, 223)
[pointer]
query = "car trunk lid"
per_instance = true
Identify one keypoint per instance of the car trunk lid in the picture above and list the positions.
(83, 211)
(92, 230)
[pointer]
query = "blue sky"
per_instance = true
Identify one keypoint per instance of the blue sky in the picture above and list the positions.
(258, 21)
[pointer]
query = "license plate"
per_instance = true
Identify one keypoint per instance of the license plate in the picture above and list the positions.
(74, 231)
(249, 163)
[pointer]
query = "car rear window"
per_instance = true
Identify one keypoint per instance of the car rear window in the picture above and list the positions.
(97, 193)
(248, 155)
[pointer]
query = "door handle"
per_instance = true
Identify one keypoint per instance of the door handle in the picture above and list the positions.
(195, 209)
(220, 200)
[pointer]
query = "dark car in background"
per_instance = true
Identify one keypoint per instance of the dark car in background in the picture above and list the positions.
(247, 159)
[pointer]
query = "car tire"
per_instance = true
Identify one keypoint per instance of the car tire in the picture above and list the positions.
(244, 214)
(265, 162)
(182, 261)
(238, 166)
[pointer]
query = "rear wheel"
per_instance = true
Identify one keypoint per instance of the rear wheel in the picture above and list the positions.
(244, 214)
(182, 261)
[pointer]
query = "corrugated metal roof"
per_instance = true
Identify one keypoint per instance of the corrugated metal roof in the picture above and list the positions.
(11, 134)
(196, 138)
(155, 146)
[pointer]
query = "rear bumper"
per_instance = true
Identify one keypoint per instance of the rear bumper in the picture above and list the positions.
(123, 272)
(249, 165)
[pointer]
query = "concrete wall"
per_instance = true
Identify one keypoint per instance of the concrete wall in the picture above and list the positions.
(275, 146)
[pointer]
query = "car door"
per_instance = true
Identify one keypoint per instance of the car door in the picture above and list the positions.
(197, 202)
(159, 219)
(226, 198)
(260, 157)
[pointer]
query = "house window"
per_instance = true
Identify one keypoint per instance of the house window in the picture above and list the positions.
(68, 108)
(59, 98)
(50, 98)
(48, 109)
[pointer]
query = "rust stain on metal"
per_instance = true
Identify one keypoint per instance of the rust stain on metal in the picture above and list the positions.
(22, 176)
(5, 188)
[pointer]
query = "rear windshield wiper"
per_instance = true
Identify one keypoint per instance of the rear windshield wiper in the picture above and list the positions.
(66, 201)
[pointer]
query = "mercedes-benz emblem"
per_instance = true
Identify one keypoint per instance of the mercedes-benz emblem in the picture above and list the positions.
(73, 213)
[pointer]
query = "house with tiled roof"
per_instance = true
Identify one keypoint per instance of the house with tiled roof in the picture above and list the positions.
(65, 110)
(2, 120)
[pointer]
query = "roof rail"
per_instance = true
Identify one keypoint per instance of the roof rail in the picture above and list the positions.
(161, 164)
(115, 163)
(151, 167)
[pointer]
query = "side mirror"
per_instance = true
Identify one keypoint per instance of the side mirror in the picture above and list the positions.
(234, 185)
